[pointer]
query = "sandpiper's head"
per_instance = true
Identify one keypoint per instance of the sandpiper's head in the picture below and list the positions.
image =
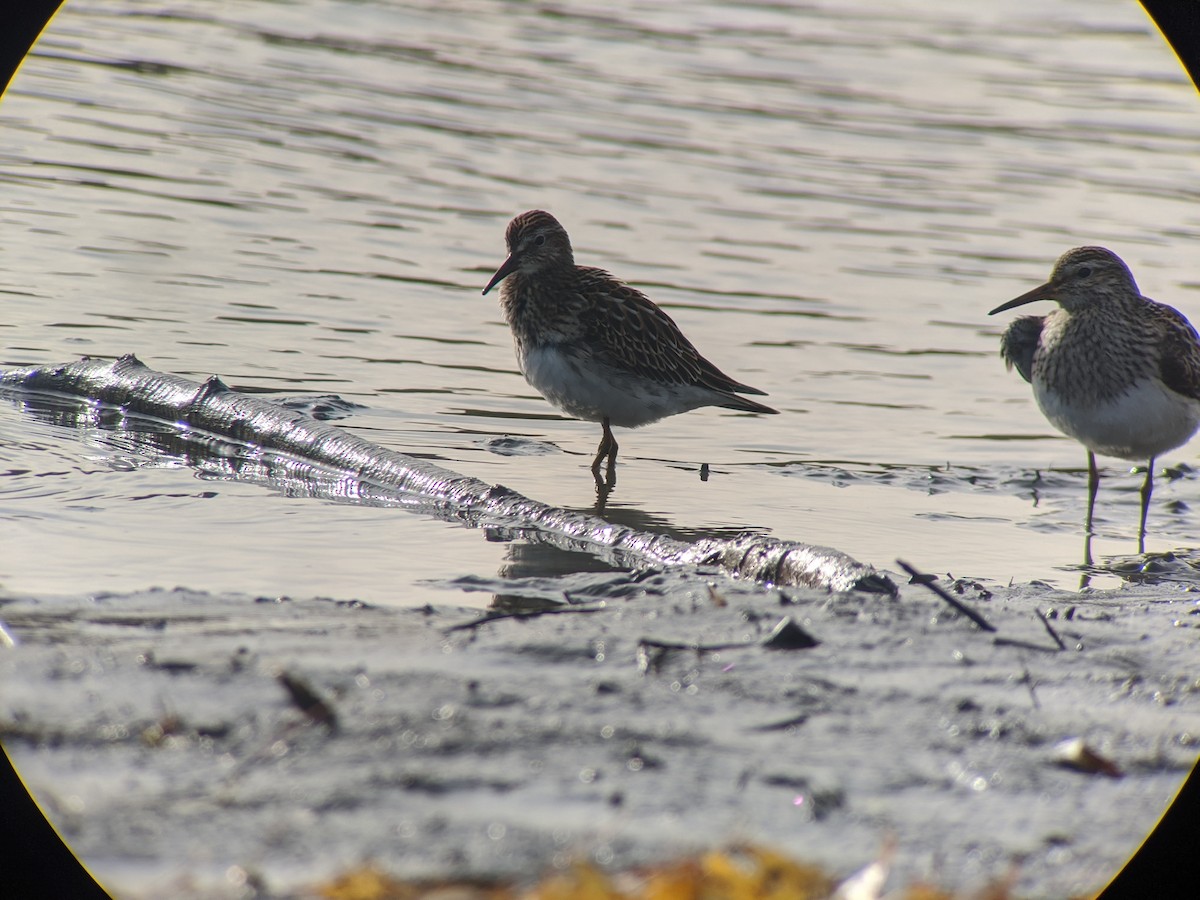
(535, 242)
(1083, 277)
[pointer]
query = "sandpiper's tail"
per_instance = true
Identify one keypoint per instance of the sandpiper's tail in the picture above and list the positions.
(716, 380)
(733, 401)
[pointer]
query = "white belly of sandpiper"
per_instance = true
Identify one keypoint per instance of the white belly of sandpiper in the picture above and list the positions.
(593, 392)
(1145, 421)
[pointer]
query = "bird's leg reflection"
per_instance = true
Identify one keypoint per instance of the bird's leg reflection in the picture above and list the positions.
(1086, 578)
(604, 486)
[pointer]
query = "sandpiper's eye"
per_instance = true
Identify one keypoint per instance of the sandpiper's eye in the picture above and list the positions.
(1083, 272)
(540, 239)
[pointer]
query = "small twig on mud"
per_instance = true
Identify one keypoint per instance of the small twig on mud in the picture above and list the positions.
(526, 614)
(307, 700)
(1027, 680)
(1025, 645)
(1050, 629)
(783, 724)
(920, 578)
(652, 655)
(786, 635)
(698, 648)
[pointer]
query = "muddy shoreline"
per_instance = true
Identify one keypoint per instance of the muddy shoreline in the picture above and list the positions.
(155, 731)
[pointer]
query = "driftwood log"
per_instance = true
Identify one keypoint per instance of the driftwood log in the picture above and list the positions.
(330, 461)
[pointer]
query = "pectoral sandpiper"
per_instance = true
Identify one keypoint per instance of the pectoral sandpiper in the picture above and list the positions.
(1116, 371)
(596, 348)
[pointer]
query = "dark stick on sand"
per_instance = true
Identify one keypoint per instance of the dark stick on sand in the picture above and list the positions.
(1050, 630)
(920, 578)
(491, 617)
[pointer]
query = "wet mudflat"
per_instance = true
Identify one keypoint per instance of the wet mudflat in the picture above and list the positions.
(156, 731)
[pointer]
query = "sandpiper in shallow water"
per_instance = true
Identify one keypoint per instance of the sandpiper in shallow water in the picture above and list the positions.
(596, 348)
(1115, 370)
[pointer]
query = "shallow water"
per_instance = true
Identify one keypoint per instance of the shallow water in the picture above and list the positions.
(828, 199)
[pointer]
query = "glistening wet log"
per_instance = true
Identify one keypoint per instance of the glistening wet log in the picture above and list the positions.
(379, 475)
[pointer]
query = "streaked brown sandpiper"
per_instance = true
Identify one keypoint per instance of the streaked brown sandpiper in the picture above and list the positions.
(1110, 368)
(597, 348)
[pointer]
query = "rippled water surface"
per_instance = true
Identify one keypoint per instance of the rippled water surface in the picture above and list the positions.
(828, 197)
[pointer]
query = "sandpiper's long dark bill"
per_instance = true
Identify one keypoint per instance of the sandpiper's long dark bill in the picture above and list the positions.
(1110, 368)
(596, 348)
